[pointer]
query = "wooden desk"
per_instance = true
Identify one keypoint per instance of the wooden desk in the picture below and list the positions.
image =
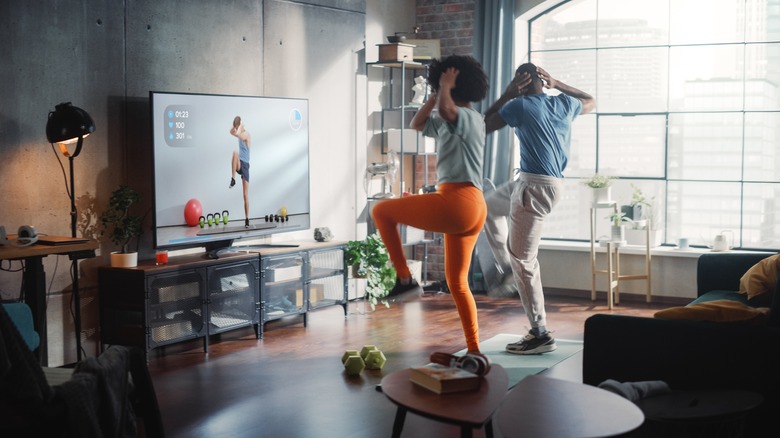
(468, 409)
(34, 278)
(541, 406)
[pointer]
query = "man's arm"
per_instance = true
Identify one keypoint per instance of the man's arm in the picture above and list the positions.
(588, 102)
(493, 121)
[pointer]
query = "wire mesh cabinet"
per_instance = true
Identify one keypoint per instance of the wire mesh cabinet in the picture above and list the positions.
(191, 297)
(297, 280)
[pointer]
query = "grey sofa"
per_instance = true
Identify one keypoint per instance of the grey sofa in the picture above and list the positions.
(690, 355)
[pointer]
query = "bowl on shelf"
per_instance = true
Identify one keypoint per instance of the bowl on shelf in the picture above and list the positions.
(396, 38)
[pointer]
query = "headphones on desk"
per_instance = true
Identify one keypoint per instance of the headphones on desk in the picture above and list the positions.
(476, 363)
(26, 236)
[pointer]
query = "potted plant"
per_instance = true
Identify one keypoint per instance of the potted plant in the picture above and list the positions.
(618, 219)
(644, 224)
(602, 188)
(368, 259)
(122, 226)
(635, 210)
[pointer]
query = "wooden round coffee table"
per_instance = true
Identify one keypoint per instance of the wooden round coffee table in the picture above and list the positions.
(541, 407)
(469, 409)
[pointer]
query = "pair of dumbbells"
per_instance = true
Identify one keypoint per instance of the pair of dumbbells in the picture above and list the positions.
(369, 357)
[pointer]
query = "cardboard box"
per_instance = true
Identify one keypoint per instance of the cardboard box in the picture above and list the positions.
(414, 142)
(396, 52)
(283, 273)
(316, 294)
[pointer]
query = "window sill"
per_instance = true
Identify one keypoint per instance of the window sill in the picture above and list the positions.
(663, 251)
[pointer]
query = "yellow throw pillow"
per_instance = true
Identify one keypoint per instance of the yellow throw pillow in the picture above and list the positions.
(761, 278)
(716, 310)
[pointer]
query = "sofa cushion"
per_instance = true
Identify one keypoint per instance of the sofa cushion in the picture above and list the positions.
(761, 278)
(723, 310)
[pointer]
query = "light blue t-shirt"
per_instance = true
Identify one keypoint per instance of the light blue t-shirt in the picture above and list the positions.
(243, 151)
(460, 147)
(543, 125)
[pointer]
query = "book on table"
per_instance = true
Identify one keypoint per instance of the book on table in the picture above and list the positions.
(443, 379)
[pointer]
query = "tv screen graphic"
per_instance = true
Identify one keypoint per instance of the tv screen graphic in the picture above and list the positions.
(209, 151)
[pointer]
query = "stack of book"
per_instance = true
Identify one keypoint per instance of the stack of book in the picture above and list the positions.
(443, 379)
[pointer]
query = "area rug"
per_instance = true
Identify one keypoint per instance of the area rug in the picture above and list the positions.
(519, 366)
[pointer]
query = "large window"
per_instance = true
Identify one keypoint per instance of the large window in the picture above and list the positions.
(688, 111)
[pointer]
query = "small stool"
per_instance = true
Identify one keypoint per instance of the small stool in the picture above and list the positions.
(698, 413)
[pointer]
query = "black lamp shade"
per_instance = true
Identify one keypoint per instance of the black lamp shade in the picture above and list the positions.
(67, 123)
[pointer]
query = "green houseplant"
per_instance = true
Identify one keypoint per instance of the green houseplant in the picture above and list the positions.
(121, 225)
(598, 181)
(370, 260)
(601, 185)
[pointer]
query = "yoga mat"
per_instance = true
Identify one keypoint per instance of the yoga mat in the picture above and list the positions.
(520, 366)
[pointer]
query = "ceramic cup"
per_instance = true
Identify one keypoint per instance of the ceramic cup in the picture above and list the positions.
(682, 243)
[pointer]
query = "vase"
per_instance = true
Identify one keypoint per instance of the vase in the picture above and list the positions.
(602, 195)
(124, 260)
(618, 233)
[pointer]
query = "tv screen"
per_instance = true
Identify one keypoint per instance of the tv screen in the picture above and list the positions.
(228, 167)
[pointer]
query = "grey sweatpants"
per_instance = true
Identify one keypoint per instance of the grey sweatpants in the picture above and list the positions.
(533, 198)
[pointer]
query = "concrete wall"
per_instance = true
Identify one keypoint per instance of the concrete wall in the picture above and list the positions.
(105, 57)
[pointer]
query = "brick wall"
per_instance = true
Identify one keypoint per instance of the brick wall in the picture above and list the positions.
(452, 23)
(449, 21)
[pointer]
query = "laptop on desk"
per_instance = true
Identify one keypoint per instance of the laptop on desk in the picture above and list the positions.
(61, 240)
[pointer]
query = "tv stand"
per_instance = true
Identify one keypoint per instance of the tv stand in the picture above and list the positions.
(193, 297)
(216, 249)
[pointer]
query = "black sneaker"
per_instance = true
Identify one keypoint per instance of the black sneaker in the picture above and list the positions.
(246, 223)
(531, 344)
(232, 183)
(399, 288)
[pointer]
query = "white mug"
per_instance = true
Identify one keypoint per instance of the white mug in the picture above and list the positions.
(682, 243)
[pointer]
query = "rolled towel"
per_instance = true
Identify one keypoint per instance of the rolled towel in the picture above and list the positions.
(635, 390)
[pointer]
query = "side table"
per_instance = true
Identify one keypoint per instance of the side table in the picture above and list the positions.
(467, 409)
(705, 413)
(545, 407)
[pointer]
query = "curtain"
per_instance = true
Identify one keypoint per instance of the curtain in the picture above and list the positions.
(493, 46)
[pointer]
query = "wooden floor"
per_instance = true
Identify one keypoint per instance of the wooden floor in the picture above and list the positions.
(292, 384)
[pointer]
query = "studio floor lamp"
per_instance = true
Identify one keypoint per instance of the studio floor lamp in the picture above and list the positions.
(67, 125)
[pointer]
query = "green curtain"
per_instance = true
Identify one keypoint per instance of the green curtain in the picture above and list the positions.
(494, 47)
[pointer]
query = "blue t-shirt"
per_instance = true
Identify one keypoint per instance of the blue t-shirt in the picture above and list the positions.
(460, 146)
(243, 151)
(543, 125)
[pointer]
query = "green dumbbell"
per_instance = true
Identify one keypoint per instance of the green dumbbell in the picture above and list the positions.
(375, 360)
(366, 349)
(347, 354)
(354, 365)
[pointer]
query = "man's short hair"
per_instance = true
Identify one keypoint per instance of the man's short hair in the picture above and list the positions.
(530, 69)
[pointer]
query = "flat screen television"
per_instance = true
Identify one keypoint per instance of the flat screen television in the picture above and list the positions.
(193, 156)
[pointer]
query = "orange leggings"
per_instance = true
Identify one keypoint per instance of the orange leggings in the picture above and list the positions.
(456, 209)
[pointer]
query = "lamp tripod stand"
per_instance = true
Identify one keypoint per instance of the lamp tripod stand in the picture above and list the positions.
(68, 124)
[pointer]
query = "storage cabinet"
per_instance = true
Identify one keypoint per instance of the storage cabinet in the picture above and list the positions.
(297, 280)
(191, 297)
(194, 297)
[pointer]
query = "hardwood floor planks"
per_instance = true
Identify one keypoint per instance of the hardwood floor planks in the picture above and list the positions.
(291, 383)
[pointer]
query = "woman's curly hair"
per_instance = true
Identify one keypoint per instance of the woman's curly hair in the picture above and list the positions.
(472, 82)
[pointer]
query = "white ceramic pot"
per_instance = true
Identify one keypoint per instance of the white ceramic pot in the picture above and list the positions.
(124, 260)
(618, 233)
(602, 195)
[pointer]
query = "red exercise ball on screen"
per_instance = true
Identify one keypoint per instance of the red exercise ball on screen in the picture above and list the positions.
(192, 212)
